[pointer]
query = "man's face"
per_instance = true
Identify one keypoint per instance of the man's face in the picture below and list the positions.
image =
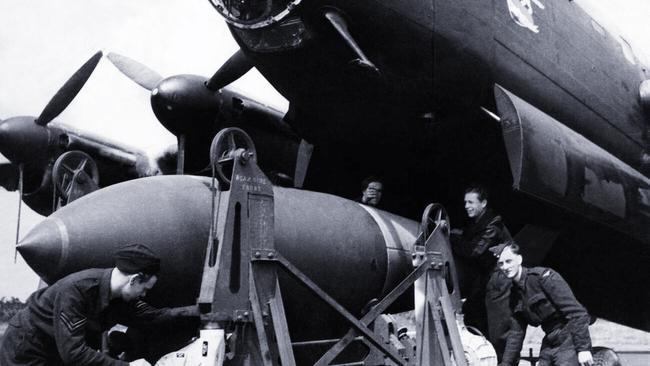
(137, 287)
(473, 205)
(509, 263)
(372, 194)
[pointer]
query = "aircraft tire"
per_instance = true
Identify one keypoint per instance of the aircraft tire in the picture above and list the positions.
(604, 356)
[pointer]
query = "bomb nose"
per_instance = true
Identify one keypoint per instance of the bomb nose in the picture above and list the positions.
(44, 248)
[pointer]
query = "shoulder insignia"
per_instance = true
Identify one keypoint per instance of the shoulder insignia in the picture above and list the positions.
(141, 307)
(72, 326)
(546, 273)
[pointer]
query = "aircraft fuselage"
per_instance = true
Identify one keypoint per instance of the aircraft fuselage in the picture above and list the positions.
(440, 55)
(419, 123)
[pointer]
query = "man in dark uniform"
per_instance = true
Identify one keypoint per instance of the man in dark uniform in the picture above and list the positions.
(540, 296)
(62, 324)
(372, 190)
(485, 230)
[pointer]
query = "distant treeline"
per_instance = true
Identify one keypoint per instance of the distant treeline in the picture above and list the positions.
(9, 307)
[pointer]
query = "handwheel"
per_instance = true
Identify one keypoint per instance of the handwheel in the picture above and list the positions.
(74, 168)
(434, 215)
(224, 148)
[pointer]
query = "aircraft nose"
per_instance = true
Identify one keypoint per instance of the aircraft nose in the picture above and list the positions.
(43, 248)
(21, 139)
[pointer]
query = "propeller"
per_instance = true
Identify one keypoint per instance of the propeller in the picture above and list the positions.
(28, 139)
(186, 105)
(29, 142)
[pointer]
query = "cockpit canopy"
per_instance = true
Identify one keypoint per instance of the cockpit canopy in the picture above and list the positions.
(250, 14)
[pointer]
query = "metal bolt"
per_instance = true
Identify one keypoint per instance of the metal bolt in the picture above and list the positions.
(245, 156)
(245, 313)
(270, 255)
(239, 317)
(258, 254)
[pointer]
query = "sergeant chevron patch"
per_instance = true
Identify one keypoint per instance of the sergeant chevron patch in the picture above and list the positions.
(72, 326)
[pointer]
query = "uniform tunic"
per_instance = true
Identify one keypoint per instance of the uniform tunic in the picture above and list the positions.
(542, 297)
(472, 249)
(62, 324)
(478, 237)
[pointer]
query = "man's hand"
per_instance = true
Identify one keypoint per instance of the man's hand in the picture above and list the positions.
(140, 362)
(585, 358)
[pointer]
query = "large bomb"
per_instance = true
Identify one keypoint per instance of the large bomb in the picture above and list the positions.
(353, 252)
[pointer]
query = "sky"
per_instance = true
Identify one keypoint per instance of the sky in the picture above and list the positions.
(43, 42)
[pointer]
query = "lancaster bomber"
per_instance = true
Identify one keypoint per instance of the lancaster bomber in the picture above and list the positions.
(401, 88)
(536, 99)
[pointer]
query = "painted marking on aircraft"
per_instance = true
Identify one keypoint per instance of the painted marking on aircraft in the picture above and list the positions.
(521, 11)
(605, 194)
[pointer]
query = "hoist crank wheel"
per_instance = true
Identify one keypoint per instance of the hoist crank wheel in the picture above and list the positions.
(70, 167)
(434, 215)
(225, 146)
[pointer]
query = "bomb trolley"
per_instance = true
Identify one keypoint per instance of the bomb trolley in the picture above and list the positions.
(241, 295)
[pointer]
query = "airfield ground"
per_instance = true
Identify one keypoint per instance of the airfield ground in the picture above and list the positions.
(633, 346)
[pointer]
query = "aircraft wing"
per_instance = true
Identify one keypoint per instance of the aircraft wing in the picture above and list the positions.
(113, 156)
(49, 164)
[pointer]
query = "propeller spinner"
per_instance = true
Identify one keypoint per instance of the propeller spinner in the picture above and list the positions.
(186, 105)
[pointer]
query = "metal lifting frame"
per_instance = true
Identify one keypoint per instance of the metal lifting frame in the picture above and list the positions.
(434, 266)
(240, 281)
(235, 290)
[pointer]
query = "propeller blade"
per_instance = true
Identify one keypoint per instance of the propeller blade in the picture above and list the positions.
(236, 66)
(68, 91)
(141, 74)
